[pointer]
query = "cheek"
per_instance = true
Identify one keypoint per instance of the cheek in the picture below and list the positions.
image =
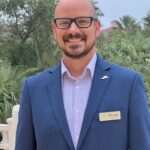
(59, 37)
(92, 35)
(58, 34)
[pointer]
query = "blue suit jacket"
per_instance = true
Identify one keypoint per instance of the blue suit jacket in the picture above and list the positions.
(43, 124)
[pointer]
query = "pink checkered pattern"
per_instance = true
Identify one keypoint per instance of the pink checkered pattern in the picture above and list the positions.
(75, 96)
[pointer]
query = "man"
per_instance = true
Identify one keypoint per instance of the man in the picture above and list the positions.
(84, 103)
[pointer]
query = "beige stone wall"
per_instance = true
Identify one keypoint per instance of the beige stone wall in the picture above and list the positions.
(8, 131)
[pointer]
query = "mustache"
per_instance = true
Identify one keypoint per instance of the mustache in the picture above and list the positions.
(76, 36)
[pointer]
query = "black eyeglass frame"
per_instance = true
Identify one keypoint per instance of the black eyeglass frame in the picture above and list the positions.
(74, 20)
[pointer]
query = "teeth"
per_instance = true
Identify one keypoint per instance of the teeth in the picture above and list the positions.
(74, 40)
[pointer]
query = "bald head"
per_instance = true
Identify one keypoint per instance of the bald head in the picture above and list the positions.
(73, 7)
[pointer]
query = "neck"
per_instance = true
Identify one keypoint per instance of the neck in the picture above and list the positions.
(77, 66)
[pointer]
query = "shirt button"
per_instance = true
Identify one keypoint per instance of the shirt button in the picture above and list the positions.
(77, 87)
(77, 111)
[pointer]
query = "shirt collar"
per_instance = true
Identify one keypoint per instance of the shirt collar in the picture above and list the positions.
(90, 66)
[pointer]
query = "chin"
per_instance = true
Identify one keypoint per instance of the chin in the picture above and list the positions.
(76, 55)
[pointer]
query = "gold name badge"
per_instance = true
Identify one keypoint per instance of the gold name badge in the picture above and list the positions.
(108, 116)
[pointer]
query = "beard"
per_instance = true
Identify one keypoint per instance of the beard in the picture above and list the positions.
(74, 47)
(80, 55)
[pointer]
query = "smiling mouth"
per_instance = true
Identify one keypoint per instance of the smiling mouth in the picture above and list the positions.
(74, 40)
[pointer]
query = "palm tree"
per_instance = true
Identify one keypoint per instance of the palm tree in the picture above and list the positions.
(129, 22)
(147, 21)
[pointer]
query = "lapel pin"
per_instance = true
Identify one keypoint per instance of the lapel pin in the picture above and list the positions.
(104, 77)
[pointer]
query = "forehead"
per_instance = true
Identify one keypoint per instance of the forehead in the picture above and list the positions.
(74, 8)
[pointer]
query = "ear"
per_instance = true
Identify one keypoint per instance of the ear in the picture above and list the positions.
(53, 28)
(97, 28)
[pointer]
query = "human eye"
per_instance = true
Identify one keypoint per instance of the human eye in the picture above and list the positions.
(83, 21)
(63, 22)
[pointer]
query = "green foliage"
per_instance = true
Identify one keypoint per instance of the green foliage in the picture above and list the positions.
(24, 17)
(30, 41)
(8, 89)
(97, 8)
(19, 53)
(147, 21)
(10, 86)
(129, 22)
(129, 49)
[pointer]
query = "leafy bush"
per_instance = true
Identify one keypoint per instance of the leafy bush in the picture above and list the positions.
(130, 49)
(10, 86)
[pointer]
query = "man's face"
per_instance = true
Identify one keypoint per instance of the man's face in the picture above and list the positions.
(74, 41)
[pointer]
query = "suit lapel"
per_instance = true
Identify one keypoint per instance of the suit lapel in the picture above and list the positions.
(55, 95)
(100, 82)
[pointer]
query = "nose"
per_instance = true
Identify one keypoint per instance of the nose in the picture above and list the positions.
(73, 28)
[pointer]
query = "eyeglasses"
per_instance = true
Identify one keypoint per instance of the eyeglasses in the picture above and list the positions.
(81, 22)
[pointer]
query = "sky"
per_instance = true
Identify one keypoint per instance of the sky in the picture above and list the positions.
(115, 9)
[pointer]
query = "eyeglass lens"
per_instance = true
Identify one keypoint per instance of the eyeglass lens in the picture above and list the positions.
(80, 22)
